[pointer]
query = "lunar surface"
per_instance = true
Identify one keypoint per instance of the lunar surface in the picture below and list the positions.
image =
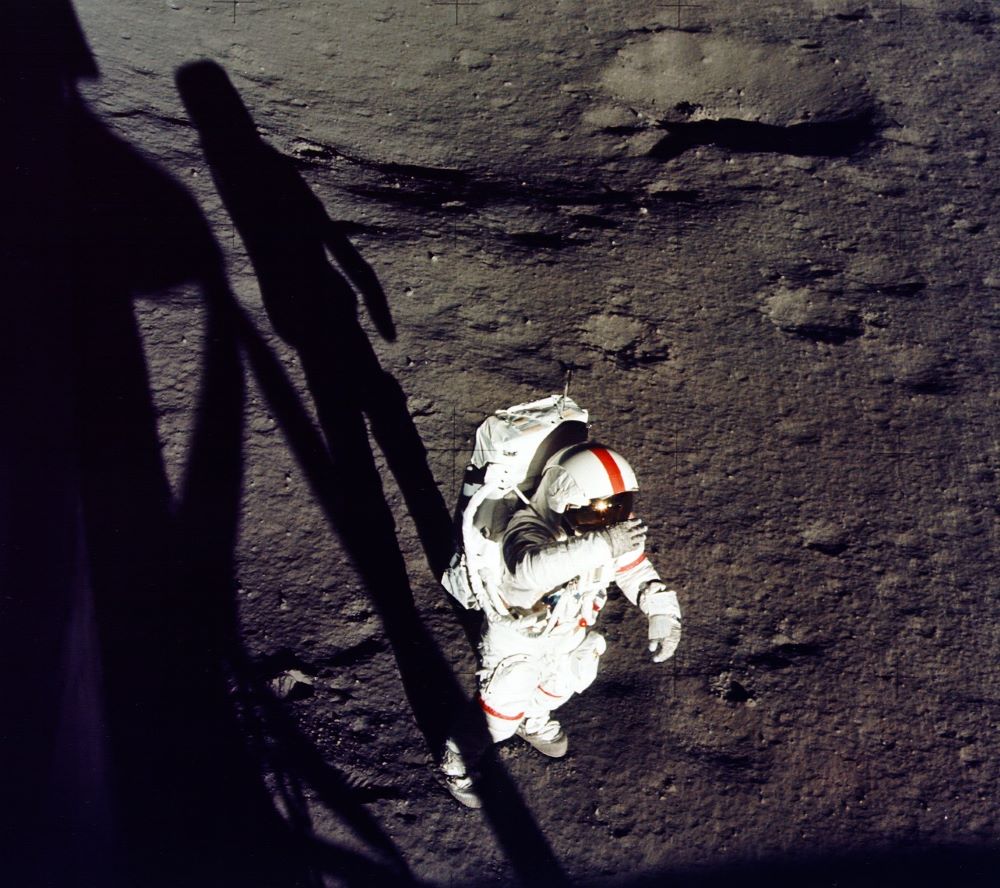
(277, 259)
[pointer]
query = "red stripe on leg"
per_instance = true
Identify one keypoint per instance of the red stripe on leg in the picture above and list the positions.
(489, 710)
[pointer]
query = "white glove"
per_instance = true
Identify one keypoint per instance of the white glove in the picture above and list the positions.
(664, 636)
(625, 537)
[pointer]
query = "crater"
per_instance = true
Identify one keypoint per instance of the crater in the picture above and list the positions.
(678, 77)
(628, 342)
(742, 95)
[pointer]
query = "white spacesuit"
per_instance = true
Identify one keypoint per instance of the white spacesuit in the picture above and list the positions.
(560, 554)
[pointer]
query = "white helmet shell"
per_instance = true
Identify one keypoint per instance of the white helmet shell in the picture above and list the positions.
(585, 472)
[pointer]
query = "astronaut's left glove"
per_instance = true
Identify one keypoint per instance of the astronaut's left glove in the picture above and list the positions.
(660, 604)
(664, 636)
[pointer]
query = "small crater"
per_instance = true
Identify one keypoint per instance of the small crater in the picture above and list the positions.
(825, 537)
(797, 431)
(728, 689)
(886, 275)
(628, 342)
(923, 369)
(812, 315)
(474, 60)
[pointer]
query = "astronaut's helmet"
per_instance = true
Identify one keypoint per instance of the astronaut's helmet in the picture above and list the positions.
(592, 486)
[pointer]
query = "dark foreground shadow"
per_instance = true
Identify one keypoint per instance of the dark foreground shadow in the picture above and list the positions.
(43, 588)
(126, 690)
(313, 308)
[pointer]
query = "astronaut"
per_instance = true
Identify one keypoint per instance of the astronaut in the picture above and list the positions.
(560, 554)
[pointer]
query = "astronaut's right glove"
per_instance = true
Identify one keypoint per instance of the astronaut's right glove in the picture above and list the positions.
(624, 537)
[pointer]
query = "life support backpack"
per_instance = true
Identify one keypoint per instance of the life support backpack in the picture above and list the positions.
(511, 450)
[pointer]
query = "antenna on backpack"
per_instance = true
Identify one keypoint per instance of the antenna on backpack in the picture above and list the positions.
(568, 367)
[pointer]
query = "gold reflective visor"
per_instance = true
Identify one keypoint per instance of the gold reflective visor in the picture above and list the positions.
(601, 512)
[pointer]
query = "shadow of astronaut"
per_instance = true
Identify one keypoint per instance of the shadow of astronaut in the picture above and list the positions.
(311, 305)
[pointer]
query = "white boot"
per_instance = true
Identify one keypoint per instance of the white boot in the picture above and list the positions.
(456, 776)
(545, 734)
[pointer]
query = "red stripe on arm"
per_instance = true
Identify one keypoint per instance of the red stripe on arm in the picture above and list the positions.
(626, 568)
(611, 467)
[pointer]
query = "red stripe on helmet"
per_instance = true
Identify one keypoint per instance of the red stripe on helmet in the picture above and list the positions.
(611, 467)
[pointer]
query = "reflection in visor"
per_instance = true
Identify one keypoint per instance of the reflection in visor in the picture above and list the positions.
(601, 512)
